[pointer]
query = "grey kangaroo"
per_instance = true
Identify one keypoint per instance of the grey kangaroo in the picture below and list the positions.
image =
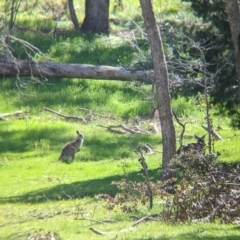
(198, 147)
(71, 148)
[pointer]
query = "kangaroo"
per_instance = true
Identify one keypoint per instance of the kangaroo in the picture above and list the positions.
(198, 147)
(71, 148)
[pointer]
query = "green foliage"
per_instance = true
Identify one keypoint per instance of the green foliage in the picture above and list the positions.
(235, 117)
(214, 12)
(183, 107)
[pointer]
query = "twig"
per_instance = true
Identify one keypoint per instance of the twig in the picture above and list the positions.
(65, 116)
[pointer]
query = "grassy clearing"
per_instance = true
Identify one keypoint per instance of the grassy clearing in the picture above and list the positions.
(64, 216)
(37, 192)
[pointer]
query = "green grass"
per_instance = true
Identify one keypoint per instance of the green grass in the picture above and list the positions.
(121, 99)
(37, 191)
(76, 217)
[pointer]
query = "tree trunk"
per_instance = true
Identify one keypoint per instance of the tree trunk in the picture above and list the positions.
(162, 87)
(96, 16)
(233, 13)
(11, 9)
(20, 68)
(73, 15)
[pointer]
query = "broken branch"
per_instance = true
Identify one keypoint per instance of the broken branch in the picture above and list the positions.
(212, 132)
(111, 128)
(68, 117)
(14, 114)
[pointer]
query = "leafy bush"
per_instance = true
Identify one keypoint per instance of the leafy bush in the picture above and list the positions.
(235, 117)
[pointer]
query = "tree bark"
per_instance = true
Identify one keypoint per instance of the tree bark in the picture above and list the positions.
(162, 87)
(96, 16)
(233, 13)
(73, 15)
(20, 68)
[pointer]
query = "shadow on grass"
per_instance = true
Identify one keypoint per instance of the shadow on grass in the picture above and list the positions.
(67, 96)
(20, 141)
(81, 189)
(201, 233)
(73, 47)
(113, 146)
(97, 145)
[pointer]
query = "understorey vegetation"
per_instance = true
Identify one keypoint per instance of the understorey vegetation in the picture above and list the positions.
(203, 191)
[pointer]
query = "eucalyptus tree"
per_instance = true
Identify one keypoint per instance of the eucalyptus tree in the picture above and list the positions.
(96, 16)
(73, 15)
(232, 9)
(162, 87)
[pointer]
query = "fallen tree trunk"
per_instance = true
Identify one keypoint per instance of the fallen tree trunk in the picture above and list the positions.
(20, 68)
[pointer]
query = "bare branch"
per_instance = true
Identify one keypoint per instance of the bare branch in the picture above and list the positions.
(213, 132)
(91, 113)
(68, 117)
(19, 113)
(97, 232)
(111, 128)
(146, 218)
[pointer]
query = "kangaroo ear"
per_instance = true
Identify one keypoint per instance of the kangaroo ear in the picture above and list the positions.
(199, 137)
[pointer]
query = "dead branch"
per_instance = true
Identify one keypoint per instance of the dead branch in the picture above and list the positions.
(21, 68)
(91, 114)
(112, 128)
(232, 212)
(96, 231)
(145, 168)
(183, 128)
(68, 117)
(131, 130)
(210, 217)
(14, 114)
(213, 133)
(146, 218)
(109, 128)
(96, 221)
(147, 148)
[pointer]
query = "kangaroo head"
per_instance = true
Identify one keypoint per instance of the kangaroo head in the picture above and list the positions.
(200, 140)
(79, 135)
